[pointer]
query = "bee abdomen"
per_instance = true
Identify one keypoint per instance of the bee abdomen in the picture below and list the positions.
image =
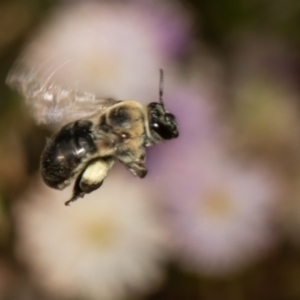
(66, 153)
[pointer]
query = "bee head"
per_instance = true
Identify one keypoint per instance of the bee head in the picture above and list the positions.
(162, 123)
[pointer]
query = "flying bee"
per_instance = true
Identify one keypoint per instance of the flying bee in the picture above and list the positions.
(85, 150)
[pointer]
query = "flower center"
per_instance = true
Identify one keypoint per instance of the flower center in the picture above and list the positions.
(218, 204)
(102, 233)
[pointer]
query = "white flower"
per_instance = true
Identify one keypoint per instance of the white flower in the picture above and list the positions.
(222, 213)
(104, 246)
(112, 50)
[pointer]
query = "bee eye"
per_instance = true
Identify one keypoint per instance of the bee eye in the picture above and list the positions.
(169, 117)
(155, 115)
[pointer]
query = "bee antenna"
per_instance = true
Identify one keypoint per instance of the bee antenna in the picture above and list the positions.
(161, 86)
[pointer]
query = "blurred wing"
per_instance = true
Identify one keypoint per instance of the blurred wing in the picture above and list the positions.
(50, 102)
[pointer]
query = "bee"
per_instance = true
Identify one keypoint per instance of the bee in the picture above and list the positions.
(85, 150)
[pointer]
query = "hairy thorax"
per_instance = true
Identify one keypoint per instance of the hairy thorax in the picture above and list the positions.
(120, 128)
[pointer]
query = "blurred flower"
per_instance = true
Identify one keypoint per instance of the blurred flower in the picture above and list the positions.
(112, 50)
(223, 215)
(266, 115)
(220, 210)
(104, 246)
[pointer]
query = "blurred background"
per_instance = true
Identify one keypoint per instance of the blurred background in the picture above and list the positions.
(218, 215)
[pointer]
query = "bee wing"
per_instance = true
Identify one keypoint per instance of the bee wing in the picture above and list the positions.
(51, 102)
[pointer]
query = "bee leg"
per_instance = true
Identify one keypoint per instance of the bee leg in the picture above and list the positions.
(77, 192)
(135, 162)
(91, 178)
(137, 169)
